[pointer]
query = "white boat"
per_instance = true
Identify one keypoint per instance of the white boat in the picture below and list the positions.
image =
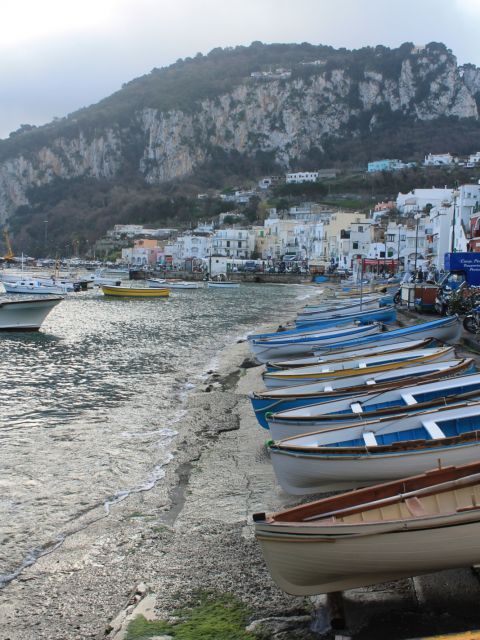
(172, 284)
(25, 315)
(447, 329)
(358, 366)
(36, 287)
(336, 310)
(355, 455)
(349, 355)
(372, 405)
(265, 349)
(211, 284)
(68, 283)
(275, 400)
(411, 526)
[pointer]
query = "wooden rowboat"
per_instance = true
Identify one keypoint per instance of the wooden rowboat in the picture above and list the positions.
(132, 292)
(356, 455)
(404, 528)
(357, 366)
(275, 400)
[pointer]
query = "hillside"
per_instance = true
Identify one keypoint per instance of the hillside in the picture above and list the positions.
(207, 122)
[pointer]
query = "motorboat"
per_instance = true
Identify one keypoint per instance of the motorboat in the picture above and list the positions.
(26, 314)
(212, 284)
(418, 524)
(172, 284)
(36, 287)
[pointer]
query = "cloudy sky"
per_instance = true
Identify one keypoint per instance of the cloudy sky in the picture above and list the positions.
(59, 55)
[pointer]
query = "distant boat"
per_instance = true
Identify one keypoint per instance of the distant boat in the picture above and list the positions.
(25, 315)
(153, 283)
(132, 292)
(274, 400)
(36, 287)
(363, 366)
(404, 528)
(355, 455)
(211, 284)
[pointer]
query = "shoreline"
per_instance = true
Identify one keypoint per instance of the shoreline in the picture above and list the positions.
(92, 578)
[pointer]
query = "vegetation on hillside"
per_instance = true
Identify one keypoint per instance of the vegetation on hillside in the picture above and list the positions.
(80, 210)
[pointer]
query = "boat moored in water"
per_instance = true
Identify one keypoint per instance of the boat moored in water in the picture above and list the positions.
(26, 314)
(135, 292)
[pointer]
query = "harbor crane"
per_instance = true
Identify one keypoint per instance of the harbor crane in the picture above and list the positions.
(9, 256)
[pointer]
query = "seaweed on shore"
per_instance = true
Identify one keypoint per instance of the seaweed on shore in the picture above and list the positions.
(212, 617)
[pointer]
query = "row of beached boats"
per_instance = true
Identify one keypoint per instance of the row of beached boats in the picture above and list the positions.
(352, 404)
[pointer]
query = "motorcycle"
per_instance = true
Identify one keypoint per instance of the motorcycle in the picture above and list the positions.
(471, 322)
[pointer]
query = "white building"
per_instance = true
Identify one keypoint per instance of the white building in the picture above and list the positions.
(417, 199)
(473, 159)
(300, 177)
(439, 160)
(235, 243)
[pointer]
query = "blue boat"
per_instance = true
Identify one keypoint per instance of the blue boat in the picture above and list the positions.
(379, 450)
(385, 315)
(447, 329)
(373, 405)
(267, 402)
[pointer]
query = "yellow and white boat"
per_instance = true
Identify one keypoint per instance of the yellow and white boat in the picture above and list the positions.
(134, 292)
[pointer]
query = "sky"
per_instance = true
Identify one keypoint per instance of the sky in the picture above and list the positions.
(57, 56)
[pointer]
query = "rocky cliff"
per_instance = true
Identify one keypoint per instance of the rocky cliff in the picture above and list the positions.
(286, 112)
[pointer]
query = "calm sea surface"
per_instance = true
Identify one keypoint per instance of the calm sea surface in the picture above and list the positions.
(89, 406)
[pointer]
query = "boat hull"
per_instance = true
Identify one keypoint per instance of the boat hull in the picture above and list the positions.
(317, 562)
(25, 315)
(130, 292)
(303, 474)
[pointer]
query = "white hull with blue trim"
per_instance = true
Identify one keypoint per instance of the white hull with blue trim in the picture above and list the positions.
(378, 450)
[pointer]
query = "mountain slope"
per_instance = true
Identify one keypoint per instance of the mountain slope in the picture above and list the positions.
(304, 106)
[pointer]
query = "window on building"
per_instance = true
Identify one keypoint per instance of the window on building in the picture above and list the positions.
(239, 244)
(354, 245)
(390, 237)
(228, 243)
(360, 229)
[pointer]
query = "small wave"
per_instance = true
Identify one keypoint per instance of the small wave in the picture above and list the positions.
(158, 473)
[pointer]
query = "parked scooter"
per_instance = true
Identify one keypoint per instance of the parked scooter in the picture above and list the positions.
(471, 322)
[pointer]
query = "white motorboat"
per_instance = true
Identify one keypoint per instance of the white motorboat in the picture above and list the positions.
(25, 315)
(211, 284)
(36, 287)
(172, 284)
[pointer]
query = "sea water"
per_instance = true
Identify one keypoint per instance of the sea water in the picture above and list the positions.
(89, 406)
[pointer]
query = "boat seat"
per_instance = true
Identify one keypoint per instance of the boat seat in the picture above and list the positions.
(362, 365)
(370, 382)
(434, 430)
(356, 407)
(415, 507)
(409, 399)
(325, 369)
(369, 439)
(328, 387)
